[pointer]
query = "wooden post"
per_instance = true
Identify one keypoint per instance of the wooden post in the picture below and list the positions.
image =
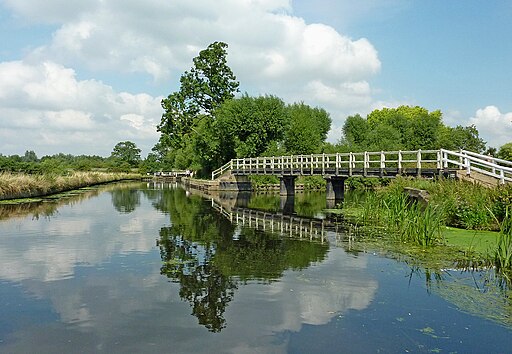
(350, 158)
(338, 162)
(399, 162)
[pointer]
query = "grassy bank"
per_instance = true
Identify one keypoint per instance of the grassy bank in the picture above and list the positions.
(475, 219)
(17, 186)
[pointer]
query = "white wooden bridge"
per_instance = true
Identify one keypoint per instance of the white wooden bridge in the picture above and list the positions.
(384, 164)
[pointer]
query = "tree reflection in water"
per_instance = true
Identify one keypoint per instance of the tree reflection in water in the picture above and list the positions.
(209, 257)
(125, 200)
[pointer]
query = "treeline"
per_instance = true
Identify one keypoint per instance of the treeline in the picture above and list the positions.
(125, 157)
(204, 125)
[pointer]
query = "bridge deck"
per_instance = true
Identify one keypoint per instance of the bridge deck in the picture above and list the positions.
(388, 172)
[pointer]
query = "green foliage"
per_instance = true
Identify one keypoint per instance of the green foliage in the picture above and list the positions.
(260, 180)
(460, 137)
(126, 152)
(407, 128)
(355, 131)
(307, 129)
(312, 182)
(205, 87)
(247, 125)
(503, 252)
(414, 127)
(505, 152)
(30, 156)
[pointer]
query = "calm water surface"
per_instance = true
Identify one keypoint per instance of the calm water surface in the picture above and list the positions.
(153, 268)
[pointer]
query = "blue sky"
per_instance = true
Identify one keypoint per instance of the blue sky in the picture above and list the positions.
(78, 77)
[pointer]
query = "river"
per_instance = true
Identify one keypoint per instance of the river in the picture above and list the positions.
(144, 267)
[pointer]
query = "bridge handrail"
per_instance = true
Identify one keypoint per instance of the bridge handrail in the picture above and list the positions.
(487, 157)
(494, 167)
(329, 160)
(471, 161)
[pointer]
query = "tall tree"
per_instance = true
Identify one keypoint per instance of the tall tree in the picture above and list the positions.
(209, 83)
(307, 130)
(127, 151)
(248, 125)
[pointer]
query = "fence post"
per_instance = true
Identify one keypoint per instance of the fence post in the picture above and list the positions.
(382, 160)
(350, 158)
(366, 163)
(502, 176)
(399, 161)
(337, 163)
(461, 160)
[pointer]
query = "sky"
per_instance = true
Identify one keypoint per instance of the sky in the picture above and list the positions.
(79, 76)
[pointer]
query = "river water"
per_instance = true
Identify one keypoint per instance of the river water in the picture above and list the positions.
(143, 267)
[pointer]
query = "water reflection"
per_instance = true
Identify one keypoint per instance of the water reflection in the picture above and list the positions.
(95, 278)
(208, 256)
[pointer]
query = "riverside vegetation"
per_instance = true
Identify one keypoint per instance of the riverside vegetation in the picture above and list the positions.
(18, 185)
(389, 212)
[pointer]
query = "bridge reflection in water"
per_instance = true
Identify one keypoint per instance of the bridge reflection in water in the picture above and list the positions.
(234, 207)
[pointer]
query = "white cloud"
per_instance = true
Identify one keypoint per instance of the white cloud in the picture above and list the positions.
(270, 50)
(494, 127)
(54, 112)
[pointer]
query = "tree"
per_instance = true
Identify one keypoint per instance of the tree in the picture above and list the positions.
(460, 137)
(205, 87)
(417, 127)
(247, 126)
(355, 132)
(128, 152)
(30, 156)
(307, 130)
(505, 152)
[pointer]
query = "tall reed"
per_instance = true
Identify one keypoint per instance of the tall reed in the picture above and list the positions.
(503, 252)
(409, 221)
(14, 186)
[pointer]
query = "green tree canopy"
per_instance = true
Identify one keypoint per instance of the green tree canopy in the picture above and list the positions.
(407, 128)
(205, 87)
(307, 129)
(505, 151)
(246, 126)
(127, 151)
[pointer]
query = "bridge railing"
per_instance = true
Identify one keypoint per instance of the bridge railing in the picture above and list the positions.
(349, 163)
(323, 163)
(471, 161)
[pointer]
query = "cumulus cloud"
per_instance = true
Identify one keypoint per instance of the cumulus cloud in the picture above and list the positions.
(270, 50)
(52, 111)
(494, 127)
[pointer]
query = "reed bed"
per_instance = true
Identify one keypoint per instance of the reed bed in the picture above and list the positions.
(451, 203)
(17, 186)
(503, 253)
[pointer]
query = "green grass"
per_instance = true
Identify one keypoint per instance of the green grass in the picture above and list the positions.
(479, 241)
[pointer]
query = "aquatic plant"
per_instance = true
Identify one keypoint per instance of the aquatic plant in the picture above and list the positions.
(503, 253)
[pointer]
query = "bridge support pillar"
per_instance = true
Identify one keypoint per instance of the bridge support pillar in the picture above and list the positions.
(287, 185)
(287, 204)
(335, 188)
